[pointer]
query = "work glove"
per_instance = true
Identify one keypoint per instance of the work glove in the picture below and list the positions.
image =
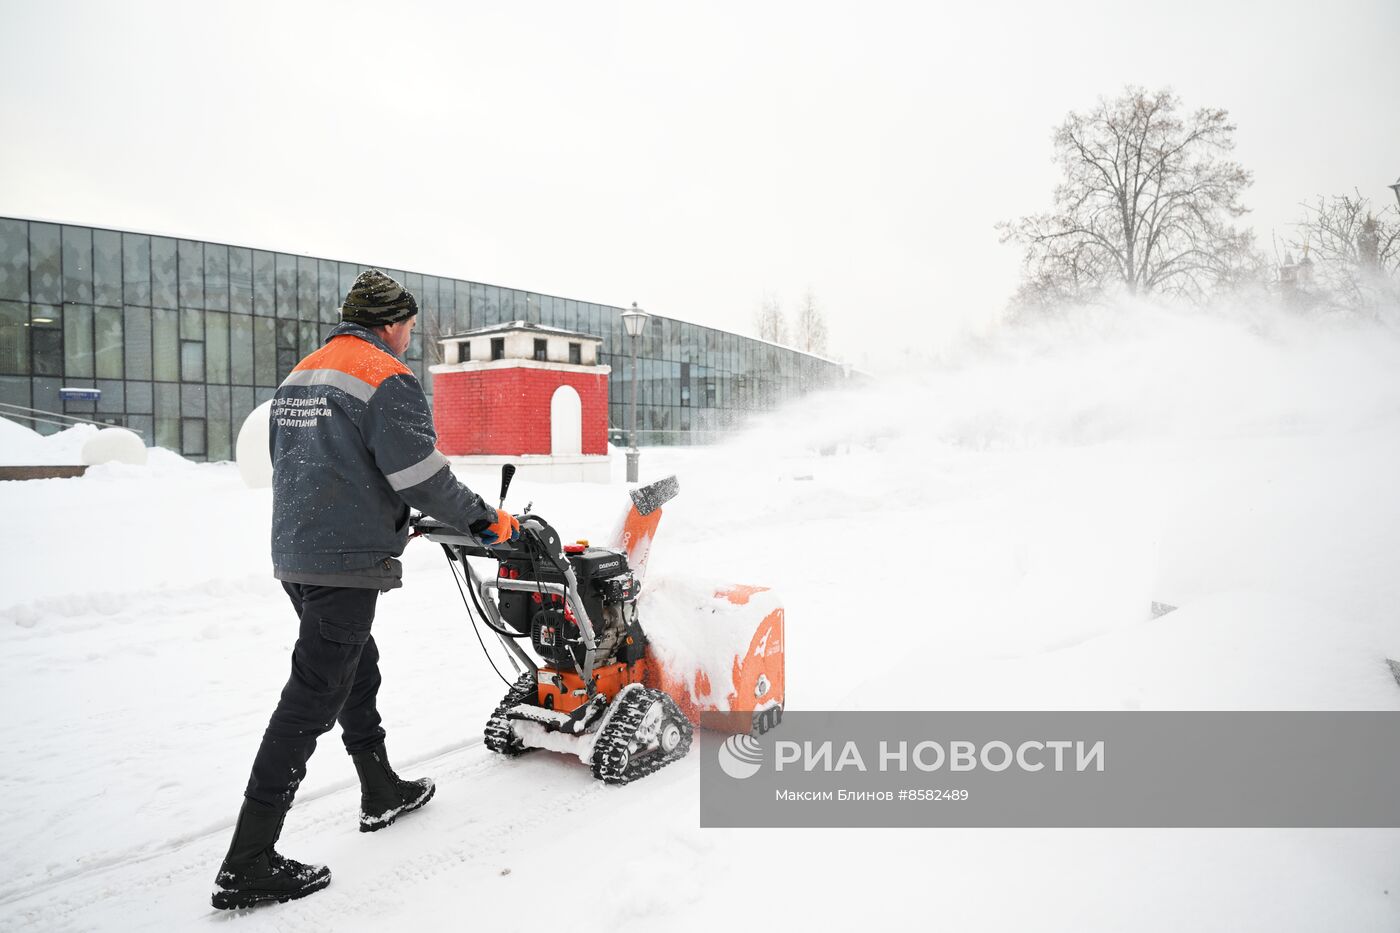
(504, 528)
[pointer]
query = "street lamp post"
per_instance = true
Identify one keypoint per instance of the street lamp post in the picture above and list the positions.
(635, 321)
(1396, 188)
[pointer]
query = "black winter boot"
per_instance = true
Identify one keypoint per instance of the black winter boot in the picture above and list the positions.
(384, 796)
(253, 872)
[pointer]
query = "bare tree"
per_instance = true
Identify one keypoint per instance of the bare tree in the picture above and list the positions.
(1145, 205)
(811, 325)
(1353, 251)
(768, 320)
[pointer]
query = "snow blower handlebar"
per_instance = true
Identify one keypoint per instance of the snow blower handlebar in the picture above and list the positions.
(538, 542)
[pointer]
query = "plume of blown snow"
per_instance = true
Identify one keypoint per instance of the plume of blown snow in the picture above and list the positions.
(1133, 371)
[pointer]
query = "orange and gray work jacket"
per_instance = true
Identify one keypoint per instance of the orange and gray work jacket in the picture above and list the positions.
(353, 447)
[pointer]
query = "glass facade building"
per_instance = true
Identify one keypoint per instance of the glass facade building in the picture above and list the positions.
(184, 337)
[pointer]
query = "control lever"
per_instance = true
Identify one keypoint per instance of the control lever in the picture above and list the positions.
(507, 474)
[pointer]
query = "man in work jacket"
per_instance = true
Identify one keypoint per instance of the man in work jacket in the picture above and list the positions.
(353, 447)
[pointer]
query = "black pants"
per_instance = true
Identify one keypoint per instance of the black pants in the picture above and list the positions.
(335, 677)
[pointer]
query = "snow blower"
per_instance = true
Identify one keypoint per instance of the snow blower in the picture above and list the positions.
(601, 689)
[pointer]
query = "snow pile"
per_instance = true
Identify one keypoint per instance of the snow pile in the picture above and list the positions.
(20, 446)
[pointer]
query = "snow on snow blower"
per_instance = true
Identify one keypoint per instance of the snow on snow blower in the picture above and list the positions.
(602, 689)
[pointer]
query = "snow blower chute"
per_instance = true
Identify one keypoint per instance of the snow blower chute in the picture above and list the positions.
(600, 688)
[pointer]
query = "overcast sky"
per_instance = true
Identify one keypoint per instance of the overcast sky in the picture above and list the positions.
(686, 156)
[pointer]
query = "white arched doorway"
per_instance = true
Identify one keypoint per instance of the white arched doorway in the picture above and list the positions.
(565, 422)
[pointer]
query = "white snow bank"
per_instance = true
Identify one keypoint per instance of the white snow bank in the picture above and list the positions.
(20, 446)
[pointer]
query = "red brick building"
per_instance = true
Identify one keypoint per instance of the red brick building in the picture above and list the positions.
(532, 394)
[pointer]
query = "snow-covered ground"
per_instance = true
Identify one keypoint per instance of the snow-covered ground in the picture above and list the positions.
(999, 525)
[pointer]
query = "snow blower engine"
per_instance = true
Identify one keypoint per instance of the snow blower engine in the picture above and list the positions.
(597, 690)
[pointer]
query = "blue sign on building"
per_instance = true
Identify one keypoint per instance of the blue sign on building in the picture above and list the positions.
(80, 394)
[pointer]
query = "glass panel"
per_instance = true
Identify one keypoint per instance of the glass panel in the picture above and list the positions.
(167, 415)
(240, 340)
(192, 401)
(219, 423)
(264, 283)
(490, 308)
(478, 304)
(136, 269)
(265, 351)
(464, 306)
(46, 326)
(240, 405)
(191, 324)
(216, 347)
(106, 267)
(143, 425)
(139, 398)
(77, 265)
(77, 341)
(240, 280)
(137, 342)
(326, 298)
(165, 285)
(308, 289)
(191, 361)
(215, 277)
(432, 309)
(46, 399)
(165, 333)
(14, 337)
(286, 286)
(348, 272)
(113, 399)
(45, 263)
(14, 262)
(193, 437)
(447, 298)
(191, 255)
(14, 390)
(310, 334)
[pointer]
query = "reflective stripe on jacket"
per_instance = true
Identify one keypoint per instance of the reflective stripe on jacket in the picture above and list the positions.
(353, 447)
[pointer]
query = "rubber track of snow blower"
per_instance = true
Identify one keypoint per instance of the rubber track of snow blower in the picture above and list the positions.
(610, 750)
(499, 737)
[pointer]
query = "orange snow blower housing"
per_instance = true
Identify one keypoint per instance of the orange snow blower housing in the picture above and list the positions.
(624, 698)
(753, 686)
